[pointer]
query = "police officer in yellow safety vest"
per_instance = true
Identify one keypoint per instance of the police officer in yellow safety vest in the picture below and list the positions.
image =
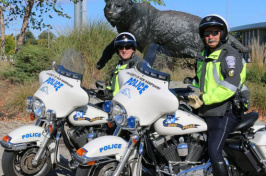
(125, 46)
(220, 73)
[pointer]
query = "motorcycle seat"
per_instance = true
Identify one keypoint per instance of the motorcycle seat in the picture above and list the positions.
(248, 121)
(184, 92)
(97, 105)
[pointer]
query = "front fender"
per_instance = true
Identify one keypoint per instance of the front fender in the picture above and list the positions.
(101, 148)
(23, 135)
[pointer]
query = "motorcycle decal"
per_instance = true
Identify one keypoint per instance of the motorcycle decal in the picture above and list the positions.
(44, 89)
(60, 79)
(144, 80)
(170, 122)
(126, 92)
(29, 135)
(56, 84)
(96, 118)
(80, 116)
(109, 147)
(139, 85)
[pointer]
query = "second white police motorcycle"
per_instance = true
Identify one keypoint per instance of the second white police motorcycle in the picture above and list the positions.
(62, 109)
(164, 137)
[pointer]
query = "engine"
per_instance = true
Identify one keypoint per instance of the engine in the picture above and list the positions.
(180, 150)
(79, 136)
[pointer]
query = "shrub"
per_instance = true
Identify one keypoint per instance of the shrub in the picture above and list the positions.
(4, 67)
(255, 73)
(15, 103)
(257, 52)
(257, 95)
(29, 61)
(90, 41)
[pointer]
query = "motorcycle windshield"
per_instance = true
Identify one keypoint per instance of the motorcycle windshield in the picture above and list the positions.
(71, 64)
(145, 90)
(154, 65)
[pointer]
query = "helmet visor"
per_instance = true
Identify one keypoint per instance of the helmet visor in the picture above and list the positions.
(124, 42)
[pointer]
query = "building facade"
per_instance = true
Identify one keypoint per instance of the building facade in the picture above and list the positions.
(250, 33)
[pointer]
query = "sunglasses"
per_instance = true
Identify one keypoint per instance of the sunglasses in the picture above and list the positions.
(213, 33)
(127, 47)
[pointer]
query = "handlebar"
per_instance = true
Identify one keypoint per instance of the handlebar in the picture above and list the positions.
(90, 92)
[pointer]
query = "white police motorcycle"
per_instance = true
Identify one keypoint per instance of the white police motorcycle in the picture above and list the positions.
(62, 109)
(165, 137)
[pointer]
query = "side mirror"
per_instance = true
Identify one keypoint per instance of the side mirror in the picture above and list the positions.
(100, 85)
(53, 65)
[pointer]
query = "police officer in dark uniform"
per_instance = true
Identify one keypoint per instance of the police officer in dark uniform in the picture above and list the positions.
(220, 73)
(125, 46)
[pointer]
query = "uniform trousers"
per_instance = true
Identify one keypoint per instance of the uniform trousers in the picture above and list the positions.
(219, 128)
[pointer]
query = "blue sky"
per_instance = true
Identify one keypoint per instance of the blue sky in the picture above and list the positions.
(240, 12)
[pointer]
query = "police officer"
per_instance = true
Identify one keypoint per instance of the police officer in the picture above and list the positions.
(125, 46)
(220, 72)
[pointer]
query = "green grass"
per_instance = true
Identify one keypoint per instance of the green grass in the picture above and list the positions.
(4, 67)
(257, 96)
(90, 42)
(15, 103)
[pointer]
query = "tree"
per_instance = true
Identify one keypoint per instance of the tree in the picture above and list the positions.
(46, 34)
(237, 35)
(2, 23)
(10, 44)
(160, 2)
(45, 37)
(29, 38)
(31, 11)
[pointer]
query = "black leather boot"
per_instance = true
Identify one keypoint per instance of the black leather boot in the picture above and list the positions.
(219, 169)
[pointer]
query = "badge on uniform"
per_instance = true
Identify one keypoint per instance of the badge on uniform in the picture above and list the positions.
(231, 72)
(231, 61)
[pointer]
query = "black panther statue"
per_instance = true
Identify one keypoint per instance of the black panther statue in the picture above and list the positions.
(176, 32)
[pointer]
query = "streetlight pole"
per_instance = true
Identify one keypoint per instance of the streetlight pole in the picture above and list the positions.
(48, 38)
(13, 24)
(227, 11)
(84, 13)
(77, 14)
(80, 13)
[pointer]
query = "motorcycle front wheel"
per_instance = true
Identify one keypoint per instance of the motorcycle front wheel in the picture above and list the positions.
(101, 170)
(20, 163)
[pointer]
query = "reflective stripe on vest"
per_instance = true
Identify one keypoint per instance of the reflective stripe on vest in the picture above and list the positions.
(214, 79)
(114, 82)
(243, 73)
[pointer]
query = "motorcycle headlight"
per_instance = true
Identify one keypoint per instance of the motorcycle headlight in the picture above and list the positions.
(29, 103)
(38, 108)
(119, 114)
(132, 122)
(107, 106)
(50, 115)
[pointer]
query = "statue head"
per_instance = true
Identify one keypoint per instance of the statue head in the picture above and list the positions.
(118, 12)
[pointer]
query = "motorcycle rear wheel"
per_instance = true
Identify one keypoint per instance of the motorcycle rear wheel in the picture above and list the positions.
(19, 163)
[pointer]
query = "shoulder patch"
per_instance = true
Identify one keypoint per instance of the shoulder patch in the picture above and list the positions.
(231, 61)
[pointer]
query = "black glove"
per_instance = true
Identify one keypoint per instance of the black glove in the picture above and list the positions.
(105, 94)
(188, 80)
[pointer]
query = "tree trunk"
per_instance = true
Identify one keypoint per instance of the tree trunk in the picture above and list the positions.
(2, 23)
(25, 22)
